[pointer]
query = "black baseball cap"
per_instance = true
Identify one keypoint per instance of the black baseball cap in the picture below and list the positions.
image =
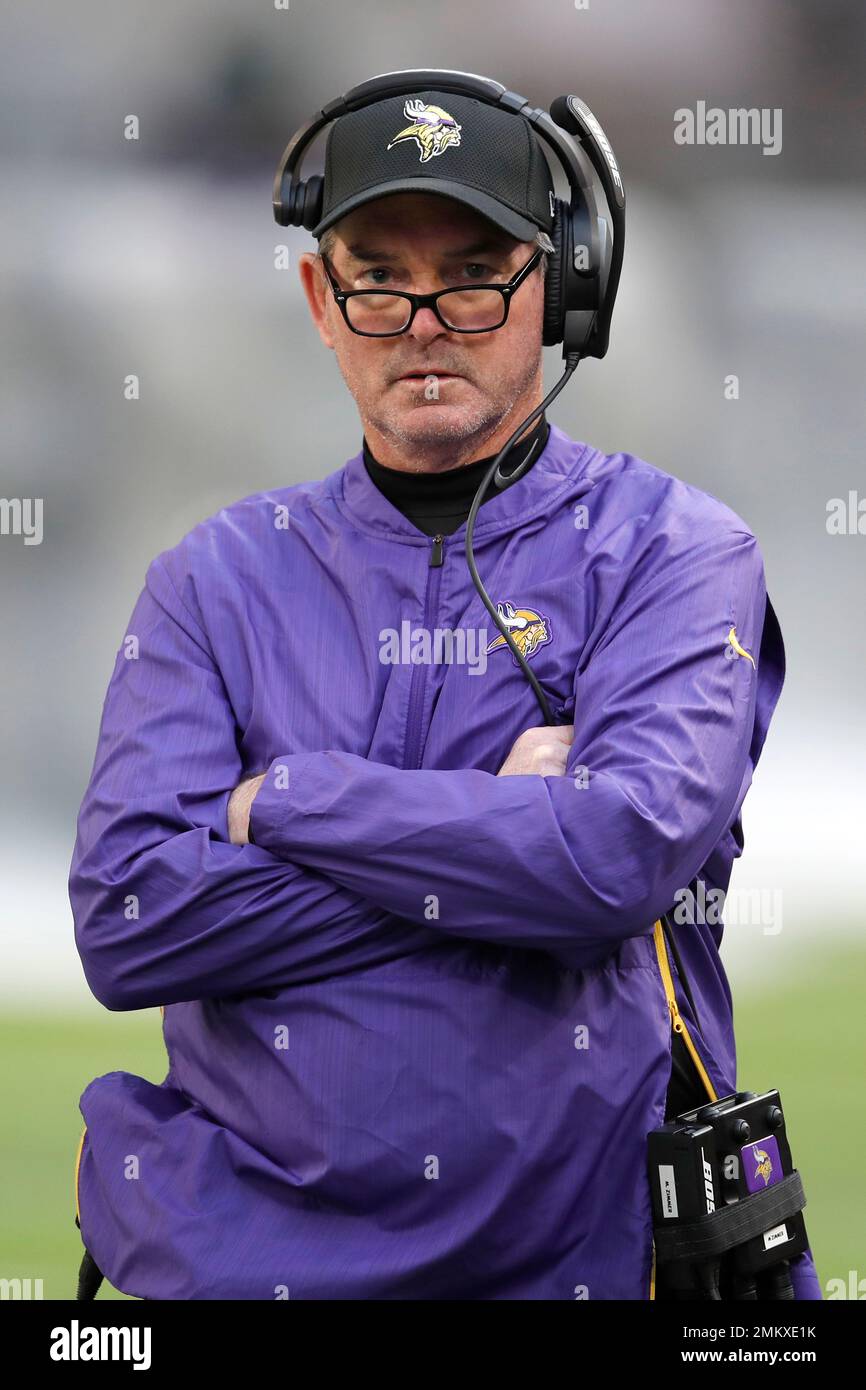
(439, 142)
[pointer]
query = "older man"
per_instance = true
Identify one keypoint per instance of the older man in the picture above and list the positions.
(416, 1001)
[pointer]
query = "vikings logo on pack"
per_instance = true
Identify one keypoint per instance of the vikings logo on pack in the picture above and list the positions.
(432, 129)
(530, 630)
(763, 1163)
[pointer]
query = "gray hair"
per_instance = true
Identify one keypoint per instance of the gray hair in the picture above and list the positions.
(547, 246)
(329, 236)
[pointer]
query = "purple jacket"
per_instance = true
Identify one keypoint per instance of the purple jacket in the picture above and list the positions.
(419, 1030)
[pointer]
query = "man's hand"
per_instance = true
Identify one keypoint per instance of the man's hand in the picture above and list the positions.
(543, 749)
(239, 806)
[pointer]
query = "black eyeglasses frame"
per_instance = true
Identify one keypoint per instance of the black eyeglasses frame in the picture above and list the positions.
(431, 301)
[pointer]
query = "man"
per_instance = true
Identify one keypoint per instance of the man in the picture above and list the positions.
(405, 935)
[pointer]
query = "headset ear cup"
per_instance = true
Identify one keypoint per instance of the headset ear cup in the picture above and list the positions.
(312, 211)
(554, 302)
(302, 204)
(294, 205)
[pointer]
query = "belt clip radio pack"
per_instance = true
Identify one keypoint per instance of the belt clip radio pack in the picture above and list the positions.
(727, 1201)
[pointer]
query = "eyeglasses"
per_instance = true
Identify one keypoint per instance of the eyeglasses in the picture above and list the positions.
(384, 313)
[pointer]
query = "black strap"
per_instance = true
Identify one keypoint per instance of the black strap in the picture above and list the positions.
(720, 1230)
(90, 1277)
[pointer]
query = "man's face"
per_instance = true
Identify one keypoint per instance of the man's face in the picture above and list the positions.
(425, 242)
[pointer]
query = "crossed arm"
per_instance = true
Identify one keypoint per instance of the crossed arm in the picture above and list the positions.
(540, 751)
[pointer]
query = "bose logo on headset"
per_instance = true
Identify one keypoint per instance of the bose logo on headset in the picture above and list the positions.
(605, 144)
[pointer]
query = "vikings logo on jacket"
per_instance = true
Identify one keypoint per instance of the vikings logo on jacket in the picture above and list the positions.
(528, 628)
(432, 129)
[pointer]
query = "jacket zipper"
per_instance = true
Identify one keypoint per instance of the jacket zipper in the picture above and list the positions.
(416, 689)
(677, 1021)
(679, 1026)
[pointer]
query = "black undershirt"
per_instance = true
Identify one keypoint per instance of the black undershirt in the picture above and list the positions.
(438, 503)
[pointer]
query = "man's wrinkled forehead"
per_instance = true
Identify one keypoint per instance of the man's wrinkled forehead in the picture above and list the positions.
(389, 227)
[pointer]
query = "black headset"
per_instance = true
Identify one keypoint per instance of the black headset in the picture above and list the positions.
(583, 271)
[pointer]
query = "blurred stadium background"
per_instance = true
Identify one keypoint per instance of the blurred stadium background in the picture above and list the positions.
(156, 256)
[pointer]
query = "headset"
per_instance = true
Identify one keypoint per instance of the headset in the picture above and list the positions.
(583, 271)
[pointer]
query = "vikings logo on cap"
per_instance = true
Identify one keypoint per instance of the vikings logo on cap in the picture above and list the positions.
(432, 129)
(528, 629)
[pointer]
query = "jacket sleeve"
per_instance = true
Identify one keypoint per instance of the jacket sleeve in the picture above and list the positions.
(165, 908)
(664, 716)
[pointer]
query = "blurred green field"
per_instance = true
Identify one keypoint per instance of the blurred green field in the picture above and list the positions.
(807, 1039)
